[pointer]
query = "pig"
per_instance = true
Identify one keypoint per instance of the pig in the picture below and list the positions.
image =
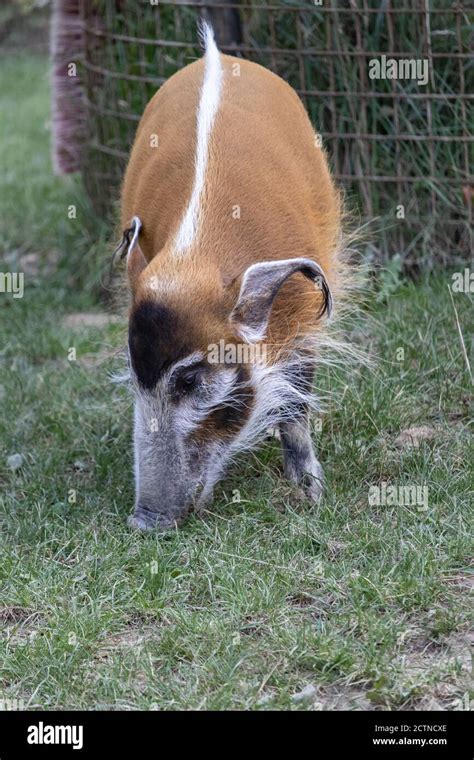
(234, 242)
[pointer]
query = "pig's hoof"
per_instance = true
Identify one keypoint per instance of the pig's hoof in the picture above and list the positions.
(138, 523)
(313, 488)
(146, 521)
(310, 482)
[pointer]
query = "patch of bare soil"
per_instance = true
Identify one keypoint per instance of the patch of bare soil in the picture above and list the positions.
(91, 319)
(450, 660)
(128, 640)
(414, 436)
(35, 265)
(19, 624)
(15, 615)
(343, 698)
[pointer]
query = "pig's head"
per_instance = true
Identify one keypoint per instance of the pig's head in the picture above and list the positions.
(200, 396)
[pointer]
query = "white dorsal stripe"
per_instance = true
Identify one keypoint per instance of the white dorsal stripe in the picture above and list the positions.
(208, 106)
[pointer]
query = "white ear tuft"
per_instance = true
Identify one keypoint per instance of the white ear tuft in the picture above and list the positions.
(136, 261)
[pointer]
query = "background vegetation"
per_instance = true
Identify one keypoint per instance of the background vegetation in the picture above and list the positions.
(392, 142)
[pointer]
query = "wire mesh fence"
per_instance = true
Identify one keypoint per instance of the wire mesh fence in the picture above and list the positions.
(388, 88)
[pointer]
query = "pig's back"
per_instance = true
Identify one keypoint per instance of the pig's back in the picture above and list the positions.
(267, 192)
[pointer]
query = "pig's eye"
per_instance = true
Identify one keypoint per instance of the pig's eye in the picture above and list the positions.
(185, 382)
(188, 380)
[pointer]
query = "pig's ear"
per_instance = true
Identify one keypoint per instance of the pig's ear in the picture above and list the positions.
(130, 247)
(136, 263)
(260, 284)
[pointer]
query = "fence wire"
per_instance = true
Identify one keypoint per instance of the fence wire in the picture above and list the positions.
(401, 148)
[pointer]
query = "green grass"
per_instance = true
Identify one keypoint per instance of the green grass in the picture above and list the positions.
(266, 594)
(36, 227)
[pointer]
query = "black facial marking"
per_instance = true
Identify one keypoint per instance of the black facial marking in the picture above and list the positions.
(156, 339)
(237, 409)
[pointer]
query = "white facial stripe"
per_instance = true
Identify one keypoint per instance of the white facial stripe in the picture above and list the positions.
(208, 105)
(189, 360)
(191, 414)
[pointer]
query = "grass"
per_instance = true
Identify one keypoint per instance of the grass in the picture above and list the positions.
(37, 231)
(266, 595)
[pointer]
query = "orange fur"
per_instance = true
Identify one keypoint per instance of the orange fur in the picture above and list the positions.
(263, 158)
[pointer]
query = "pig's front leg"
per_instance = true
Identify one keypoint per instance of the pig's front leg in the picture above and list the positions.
(299, 460)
